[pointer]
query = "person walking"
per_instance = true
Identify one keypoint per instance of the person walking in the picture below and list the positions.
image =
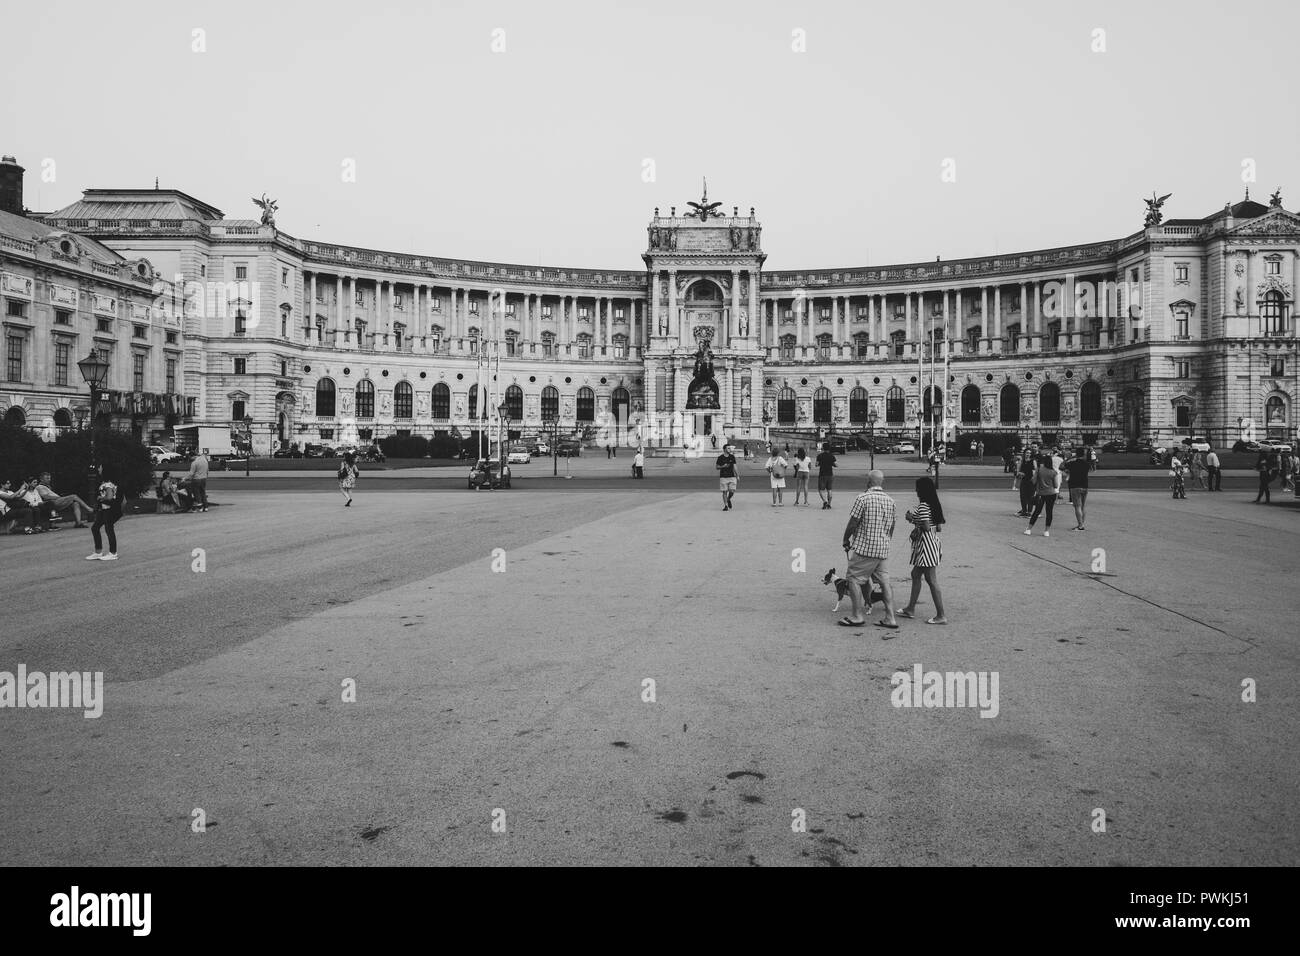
(1265, 479)
(927, 550)
(1178, 472)
(638, 464)
(108, 510)
(776, 466)
(1025, 482)
(1045, 482)
(727, 477)
(802, 472)
(826, 462)
(1057, 461)
(196, 480)
(1215, 480)
(980, 446)
(866, 543)
(348, 472)
(1076, 470)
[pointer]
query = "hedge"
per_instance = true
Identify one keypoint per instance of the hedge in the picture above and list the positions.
(121, 455)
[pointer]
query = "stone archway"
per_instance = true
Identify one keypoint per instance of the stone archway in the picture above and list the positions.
(286, 407)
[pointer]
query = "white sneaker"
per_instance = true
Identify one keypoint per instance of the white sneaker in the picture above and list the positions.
(1046, 534)
(94, 557)
(1029, 531)
(108, 557)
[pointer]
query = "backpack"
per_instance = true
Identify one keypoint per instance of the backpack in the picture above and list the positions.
(343, 471)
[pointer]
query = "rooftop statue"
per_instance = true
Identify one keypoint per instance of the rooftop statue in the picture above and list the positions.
(1276, 198)
(704, 209)
(268, 207)
(1154, 216)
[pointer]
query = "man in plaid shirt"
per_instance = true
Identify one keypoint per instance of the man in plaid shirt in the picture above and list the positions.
(866, 538)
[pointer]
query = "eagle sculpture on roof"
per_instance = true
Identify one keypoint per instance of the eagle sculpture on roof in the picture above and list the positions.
(268, 207)
(704, 209)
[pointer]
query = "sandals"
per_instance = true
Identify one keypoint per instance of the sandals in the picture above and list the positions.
(846, 622)
(904, 613)
(937, 620)
(891, 627)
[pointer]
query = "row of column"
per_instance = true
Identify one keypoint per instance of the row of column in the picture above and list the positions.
(742, 318)
(465, 310)
(945, 311)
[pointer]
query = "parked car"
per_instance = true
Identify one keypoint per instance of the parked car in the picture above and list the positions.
(905, 448)
(519, 456)
(1272, 444)
(293, 451)
(541, 448)
(1241, 446)
(838, 446)
(318, 451)
(569, 449)
(1131, 446)
(161, 456)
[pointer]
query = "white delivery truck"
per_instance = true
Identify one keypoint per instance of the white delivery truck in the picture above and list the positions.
(215, 438)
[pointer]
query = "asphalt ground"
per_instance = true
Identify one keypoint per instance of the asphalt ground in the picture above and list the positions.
(524, 691)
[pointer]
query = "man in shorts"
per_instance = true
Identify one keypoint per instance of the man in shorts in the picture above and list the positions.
(726, 465)
(825, 475)
(1076, 469)
(866, 540)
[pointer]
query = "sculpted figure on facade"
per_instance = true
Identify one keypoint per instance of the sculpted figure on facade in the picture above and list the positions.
(989, 410)
(1239, 299)
(460, 404)
(422, 405)
(744, 324)
(345, 401)
(385, 401)
(1154, 216)
(654, 237)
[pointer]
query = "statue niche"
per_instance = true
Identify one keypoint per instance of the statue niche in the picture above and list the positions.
(703, 390)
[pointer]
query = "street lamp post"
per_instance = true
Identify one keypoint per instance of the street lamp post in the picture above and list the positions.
(248, 432)
(95, 372)
(872, 418)
(502, 411)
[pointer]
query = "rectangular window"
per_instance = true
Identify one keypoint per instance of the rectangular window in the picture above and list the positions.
(582, 312)
(61, 350)
(546, 311)
(241, 366)
(473, 306)
(1180, 272)
(241, 273)
(435, 304)
(361, 298)
(1183, 369)
(1273, 267)
(284, 277)
(137, 372)
(138, 332)
(620, 350)
(397, 301)
(241, 323)
(1183, 416)
(584, 348)
(825, 312)
(17, 310)
(14, 363)
(203, 271)
(1181, 325)
(511, 345)
(788, 314)
(171, 338)
(237, 411)
(62, 317)
(104, 354)
(171, 376)
(862, 312)
(1277, 367)
(618, 313)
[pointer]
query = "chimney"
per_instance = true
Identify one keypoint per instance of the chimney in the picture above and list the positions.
(11, 186)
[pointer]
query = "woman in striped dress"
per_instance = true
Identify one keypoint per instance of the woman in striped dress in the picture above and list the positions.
(926, 549)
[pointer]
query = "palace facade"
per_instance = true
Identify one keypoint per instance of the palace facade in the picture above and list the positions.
(1186, 326)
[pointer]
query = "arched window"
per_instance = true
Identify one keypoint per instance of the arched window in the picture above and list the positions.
(325, 398)
(822, 406)
(933, 403)
(970, 405)
(895, 406)
(1010, 403)
(403, 401)
(1090, 403)
(586, 405)
(550, 403)
(1049, 403)
(16, 416)
(473, 402)
(365, 398)
(63, 418)
(785, 407)
(515, 403)
(1273, 313)
(441, 401)
(858, 409)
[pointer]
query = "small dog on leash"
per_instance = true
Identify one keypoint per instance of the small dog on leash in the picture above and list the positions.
(842, 591)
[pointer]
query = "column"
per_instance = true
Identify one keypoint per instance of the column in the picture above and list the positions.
(674, 325)
(609, 323)
(909, 335)
(1069, 320)
(753, 308)
(654, 304)
(1103, 296)
(997, 319)
(338, 303)
(835, 322)
(310, 319)
(986, 338)
(349, 300)
(922, 323)
(947, 335)
(1037, 345)
(733, 325)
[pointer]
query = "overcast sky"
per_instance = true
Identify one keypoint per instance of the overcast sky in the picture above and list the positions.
(537, 153)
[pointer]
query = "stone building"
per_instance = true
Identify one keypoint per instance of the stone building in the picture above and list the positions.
(65, 295)
(1184, 326)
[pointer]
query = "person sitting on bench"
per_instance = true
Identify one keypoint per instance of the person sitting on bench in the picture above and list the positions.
(57, 502)
(13, 505)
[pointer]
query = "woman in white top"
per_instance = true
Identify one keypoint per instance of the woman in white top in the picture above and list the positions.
(776, 466)
(802, 469)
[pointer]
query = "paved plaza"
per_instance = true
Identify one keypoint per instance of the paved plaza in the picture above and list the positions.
(519, 695)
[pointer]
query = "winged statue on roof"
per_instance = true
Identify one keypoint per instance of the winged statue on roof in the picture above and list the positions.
(704, 209)
(268, 207)
(1154, 216)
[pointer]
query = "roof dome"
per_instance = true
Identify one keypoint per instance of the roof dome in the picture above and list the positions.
(1247, 208)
